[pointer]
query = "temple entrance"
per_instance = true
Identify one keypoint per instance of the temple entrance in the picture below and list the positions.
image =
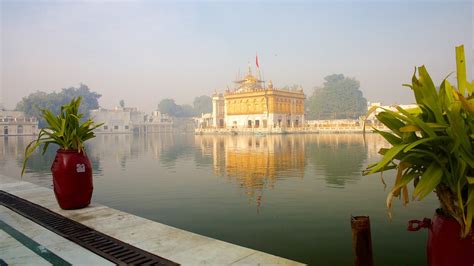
(257, 123)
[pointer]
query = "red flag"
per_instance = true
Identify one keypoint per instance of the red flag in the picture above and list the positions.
(256, 60)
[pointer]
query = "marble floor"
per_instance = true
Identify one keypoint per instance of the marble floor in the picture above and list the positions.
(23, 242)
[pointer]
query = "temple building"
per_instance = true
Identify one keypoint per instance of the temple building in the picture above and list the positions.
(253, 105)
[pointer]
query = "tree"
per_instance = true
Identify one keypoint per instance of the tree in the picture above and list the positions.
(202, 104)
(90, 99)
(339, 98)
(122, 103)
(32, 104)
(185, 110)
(168, 106)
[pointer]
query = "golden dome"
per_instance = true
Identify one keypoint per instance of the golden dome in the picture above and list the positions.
(250, 77)
(248, 83)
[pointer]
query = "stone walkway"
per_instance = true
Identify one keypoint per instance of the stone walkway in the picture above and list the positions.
(169, 242)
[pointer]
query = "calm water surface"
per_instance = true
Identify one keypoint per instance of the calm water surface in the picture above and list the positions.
(289, 195)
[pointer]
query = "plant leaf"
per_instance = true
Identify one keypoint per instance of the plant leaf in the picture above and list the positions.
(388, 157)
(429, 180)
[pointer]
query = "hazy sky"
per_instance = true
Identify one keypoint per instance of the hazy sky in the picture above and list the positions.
(144, 51)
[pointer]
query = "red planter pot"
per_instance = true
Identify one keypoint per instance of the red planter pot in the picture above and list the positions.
(72, 179)
(445, 246)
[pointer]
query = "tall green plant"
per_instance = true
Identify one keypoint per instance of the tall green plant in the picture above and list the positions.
(66, 130)
(432, 145)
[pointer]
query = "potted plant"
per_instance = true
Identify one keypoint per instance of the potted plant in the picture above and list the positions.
(71, 169)
(433, 147)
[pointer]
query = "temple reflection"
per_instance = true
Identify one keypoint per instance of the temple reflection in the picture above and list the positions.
(256, 162)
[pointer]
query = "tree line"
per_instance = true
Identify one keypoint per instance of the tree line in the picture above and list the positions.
(340, 97)
(32, 104)
(201, 105)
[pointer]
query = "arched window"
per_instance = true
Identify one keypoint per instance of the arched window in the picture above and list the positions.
(19, 130)
(5, 130)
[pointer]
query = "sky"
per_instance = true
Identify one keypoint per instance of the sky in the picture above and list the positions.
(145, 51)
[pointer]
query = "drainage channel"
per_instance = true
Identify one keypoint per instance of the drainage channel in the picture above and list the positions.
(103, 245)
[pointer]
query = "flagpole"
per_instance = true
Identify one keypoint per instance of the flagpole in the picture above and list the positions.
(258, 68)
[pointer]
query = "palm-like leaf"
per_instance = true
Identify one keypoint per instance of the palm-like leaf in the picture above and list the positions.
(433, 145)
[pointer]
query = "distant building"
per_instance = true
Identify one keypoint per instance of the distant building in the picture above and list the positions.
(118, 120)
(253, 106)
(156, 122)
(206, 121)
(16, 123)
(130, 120)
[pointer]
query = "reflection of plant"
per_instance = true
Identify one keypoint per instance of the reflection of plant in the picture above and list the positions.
(330, 152)
(433, 144)
(65, 130)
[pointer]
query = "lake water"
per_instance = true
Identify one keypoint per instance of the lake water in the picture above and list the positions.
(288, 195)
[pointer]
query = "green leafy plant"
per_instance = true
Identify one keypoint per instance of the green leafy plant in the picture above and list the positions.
(432, 145)
(65, 129)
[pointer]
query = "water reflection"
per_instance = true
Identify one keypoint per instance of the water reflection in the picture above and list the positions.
(254, 162)
(339, 157)
(259, 161)
(38, 168)
(165, 147)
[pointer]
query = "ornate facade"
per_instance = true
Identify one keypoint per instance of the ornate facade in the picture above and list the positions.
(251, 104)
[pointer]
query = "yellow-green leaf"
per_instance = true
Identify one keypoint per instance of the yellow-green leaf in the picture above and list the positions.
(388, 157)
(429, 180)
(409, 128)
(461, 69)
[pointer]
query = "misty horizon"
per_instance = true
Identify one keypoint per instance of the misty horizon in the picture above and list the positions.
(143, 52)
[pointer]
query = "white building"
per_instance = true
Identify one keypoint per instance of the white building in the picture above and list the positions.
(205, 121)
(156, 122)
(117, 120)
(129, 120)
(16, 123)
